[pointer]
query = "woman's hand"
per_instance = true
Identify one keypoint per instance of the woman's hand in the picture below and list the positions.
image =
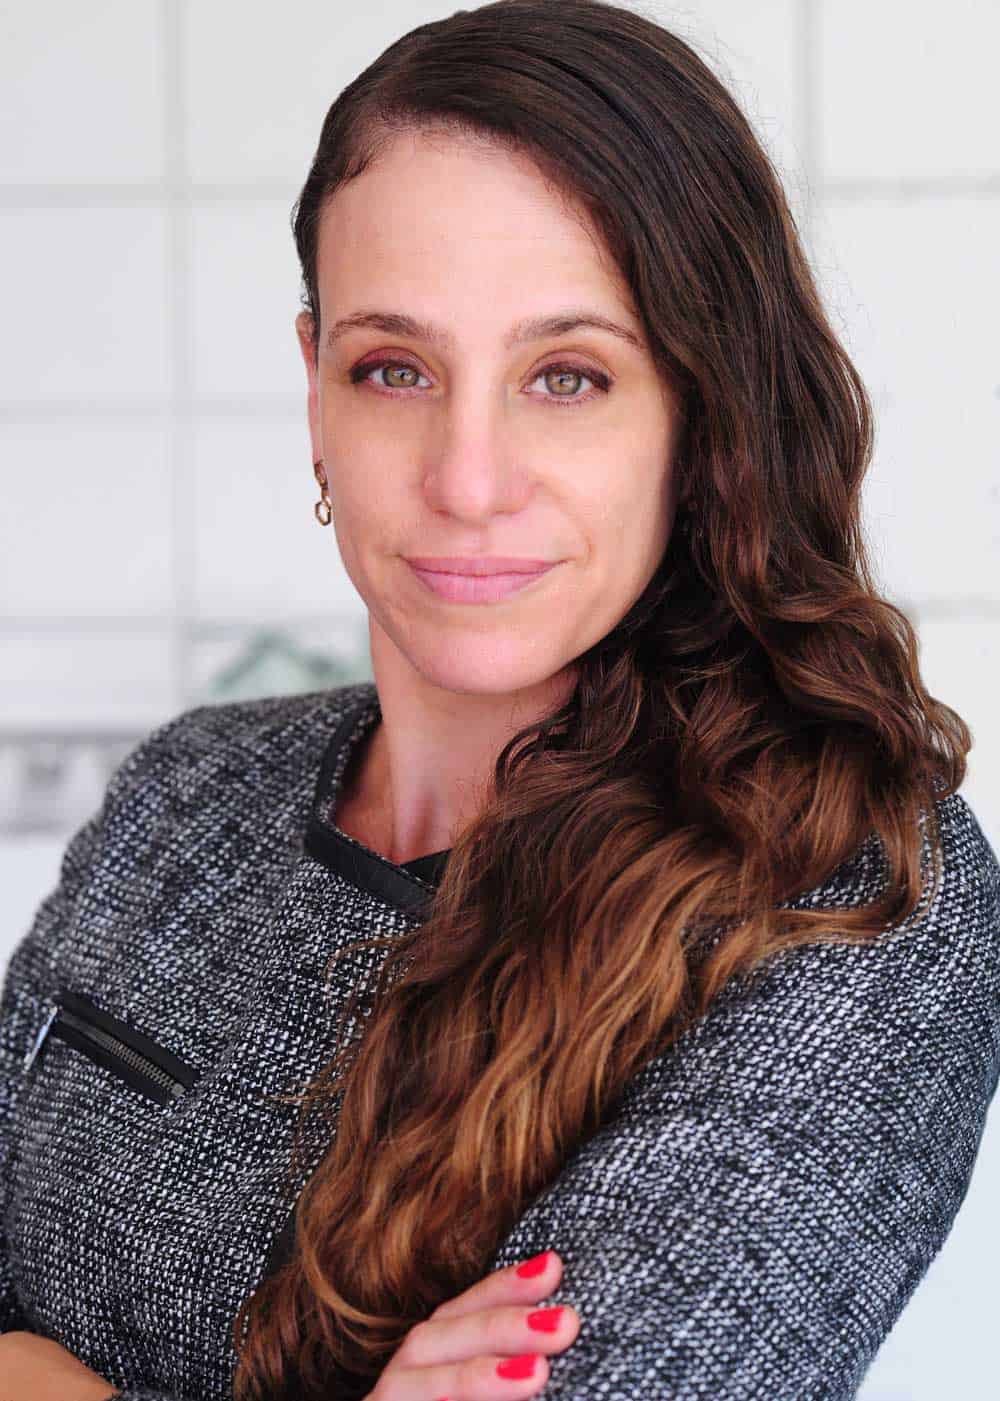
(34, 1368)
(453, 1355)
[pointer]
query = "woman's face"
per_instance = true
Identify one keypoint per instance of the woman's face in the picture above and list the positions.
(555, 447)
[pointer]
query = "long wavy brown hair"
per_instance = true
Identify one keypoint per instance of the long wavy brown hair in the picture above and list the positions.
(753, 718)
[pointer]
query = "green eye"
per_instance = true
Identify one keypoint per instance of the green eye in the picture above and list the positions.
(361, 374)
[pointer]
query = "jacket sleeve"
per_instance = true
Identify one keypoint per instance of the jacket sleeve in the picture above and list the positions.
(773, 1188)
(31, 972)
(145, 1393)
(21, 1010)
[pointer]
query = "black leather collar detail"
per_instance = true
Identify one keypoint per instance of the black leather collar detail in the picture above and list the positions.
(408, 886)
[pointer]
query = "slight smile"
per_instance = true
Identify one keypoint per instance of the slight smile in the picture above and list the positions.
(459, 587)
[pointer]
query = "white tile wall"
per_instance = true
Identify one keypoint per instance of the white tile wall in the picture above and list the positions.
(92, 531)
(258, 551)
(911, 276)
(280, 67)
(244, 299)
(83, 288)
(115, 676)
(84, 96)
(153, 439)
(908, 91)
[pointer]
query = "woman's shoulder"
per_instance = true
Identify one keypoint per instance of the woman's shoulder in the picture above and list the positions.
(801, 1151)
(259, 719)
(223, 779)
(970, 858)
(947, 947)
(278, 730)
(924, 990)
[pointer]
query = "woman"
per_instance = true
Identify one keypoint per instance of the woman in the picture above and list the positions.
(631, 919)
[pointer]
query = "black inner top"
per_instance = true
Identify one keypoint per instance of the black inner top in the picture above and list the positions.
(428, 867)
(405, 885)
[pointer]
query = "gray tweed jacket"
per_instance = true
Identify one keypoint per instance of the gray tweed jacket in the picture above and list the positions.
(749, 1224)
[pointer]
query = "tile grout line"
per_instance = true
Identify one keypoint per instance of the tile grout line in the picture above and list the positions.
(179, 314)
(807, 21)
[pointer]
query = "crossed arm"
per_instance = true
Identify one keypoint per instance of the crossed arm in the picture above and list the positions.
(776, 1186)
(772, 1189)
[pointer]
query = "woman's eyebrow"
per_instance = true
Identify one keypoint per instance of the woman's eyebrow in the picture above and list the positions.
(397, 323)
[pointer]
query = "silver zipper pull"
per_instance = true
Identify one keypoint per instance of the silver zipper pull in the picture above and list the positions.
(29, 1059)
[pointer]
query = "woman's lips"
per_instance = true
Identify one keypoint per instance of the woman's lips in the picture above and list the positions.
(471, 588)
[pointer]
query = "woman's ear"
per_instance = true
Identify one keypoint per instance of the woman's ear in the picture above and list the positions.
(306, 332)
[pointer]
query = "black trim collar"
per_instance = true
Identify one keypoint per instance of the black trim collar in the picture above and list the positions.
(408, 886)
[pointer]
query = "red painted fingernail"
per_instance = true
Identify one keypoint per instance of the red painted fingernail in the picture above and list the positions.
(518, 1367)
(544, 1320)
(534, 1266)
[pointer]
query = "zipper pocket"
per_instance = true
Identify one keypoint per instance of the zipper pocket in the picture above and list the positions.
(112, 1043)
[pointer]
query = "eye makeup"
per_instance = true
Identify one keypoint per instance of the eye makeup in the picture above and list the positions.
(359, 375)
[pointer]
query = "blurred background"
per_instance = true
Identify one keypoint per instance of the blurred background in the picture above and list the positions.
(157, 542)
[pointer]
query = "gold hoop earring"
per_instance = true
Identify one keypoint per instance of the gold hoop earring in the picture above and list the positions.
(324, 506)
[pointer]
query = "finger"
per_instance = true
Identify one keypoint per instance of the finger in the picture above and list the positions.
(507, 1331)
(505, 1286)
(475, 1379)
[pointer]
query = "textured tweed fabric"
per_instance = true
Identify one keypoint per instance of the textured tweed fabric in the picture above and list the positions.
(750, 1223)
